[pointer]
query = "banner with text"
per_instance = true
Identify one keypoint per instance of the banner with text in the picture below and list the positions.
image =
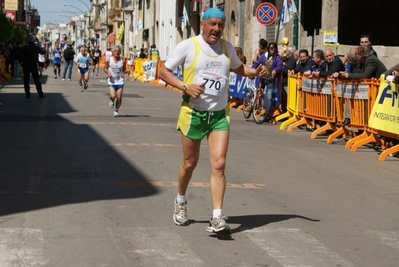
(385, 113)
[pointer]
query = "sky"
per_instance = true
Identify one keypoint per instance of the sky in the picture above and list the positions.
(51, 11)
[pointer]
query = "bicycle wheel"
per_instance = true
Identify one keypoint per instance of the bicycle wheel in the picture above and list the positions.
(259, 111)
(247, 103)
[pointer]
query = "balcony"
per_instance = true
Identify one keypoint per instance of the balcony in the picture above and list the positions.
(114, 12)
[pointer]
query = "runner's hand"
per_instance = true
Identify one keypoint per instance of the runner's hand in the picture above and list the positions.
(195, 90)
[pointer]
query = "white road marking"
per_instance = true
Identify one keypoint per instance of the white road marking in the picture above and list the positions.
(390, 239)
(21, 247)
(153, 246)
(294, 248)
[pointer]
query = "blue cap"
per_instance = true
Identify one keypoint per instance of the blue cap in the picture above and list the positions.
(214, 13)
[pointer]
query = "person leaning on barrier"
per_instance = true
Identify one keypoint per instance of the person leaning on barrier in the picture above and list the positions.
(29, 57)
(288, 65)
(330, 65)
(392, 74)
(317, 60)
(372, 67)
(305, 62)
(354, 66)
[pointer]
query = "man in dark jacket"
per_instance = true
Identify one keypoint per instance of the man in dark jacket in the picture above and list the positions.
(69, 54)
(305, 62)
(372, 67)
(29, 55)
(330, 65)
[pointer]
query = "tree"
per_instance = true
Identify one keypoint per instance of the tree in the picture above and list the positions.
(5, 28)
(10, 32)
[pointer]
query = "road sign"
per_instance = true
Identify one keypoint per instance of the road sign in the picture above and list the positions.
(266, 13)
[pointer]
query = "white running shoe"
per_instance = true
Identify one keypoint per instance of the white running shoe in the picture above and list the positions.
(81, 89)
(217, 224)
(111, 104)
(86, 85)
(63, 79)
(116, 113)
(180, 214)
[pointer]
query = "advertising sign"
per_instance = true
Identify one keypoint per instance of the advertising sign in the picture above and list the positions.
(12, 15)
(11, 5)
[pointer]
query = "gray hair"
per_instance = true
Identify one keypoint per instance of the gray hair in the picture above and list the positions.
(117, 46)
(364, 51)
(291, 48)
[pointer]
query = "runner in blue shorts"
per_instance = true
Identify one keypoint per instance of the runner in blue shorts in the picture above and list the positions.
(83, 63)
(115, 69)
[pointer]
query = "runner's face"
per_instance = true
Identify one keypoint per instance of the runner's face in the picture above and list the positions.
(212, 29)
(117, 52)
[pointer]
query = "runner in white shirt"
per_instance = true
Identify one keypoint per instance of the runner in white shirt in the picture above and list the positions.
(115, 69)
(83, 63)
(41, 61)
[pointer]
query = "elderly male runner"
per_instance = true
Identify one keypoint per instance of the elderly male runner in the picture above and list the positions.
(207, 60)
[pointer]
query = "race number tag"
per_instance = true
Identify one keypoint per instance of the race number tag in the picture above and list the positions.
(117, 75)
(57, 55)
(96, 54)
(213, 83)
(82, 65)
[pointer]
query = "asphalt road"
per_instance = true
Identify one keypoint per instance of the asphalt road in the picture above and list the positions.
(81, 188)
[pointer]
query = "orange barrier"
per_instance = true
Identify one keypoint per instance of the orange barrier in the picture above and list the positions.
(4, 75)
(316, 103)
(353, 95)
(327, 100)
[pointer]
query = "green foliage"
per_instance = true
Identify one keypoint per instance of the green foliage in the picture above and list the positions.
(5, 28)
(18, 35)
(10, 32)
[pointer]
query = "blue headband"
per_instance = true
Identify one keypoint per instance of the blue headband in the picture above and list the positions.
(213, 13)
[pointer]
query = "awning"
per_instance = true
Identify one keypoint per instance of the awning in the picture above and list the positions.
(111, 38)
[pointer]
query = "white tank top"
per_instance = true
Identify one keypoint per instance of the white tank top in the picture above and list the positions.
(116, 70)
(213, 70)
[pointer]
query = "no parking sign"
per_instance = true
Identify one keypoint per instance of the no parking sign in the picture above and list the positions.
(266, 13)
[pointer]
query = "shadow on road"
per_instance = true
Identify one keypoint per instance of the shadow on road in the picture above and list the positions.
(48, 161)
(248, 222)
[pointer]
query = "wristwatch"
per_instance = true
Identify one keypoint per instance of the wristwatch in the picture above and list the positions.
(184, 88)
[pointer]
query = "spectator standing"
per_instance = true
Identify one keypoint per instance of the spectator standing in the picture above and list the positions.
(29, 55)
(15, 58)
(365, 41)
(69, 54)
(330, 65)
(241, 55)
(154, 53)
(130, 60)
(372, 67)
(305, 62)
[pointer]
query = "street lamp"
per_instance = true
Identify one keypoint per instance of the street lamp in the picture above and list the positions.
(65, 4)
(84, 13)
(88, 8)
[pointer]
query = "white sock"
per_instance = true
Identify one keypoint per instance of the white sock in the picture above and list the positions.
(181, 199)
(216, 213)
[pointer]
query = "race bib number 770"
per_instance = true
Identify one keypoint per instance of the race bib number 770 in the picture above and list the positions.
(213, 84)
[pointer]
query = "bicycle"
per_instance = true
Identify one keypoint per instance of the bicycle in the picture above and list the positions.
(248, 100)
